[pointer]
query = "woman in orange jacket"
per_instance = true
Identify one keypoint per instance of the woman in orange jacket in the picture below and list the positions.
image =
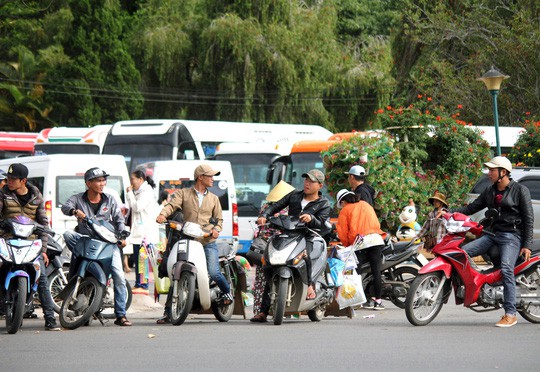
(357, 218)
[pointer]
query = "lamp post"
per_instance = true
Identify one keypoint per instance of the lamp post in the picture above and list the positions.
(493, 80)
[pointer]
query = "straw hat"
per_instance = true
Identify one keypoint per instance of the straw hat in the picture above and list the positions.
(279, 191)
(440, 197)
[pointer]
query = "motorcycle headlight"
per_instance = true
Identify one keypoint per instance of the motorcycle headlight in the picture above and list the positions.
(22, 231)
(280, 257)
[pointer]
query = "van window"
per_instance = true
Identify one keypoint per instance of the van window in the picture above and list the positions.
(533, 184)
(66, 186)
(38, 182)
(220, 188)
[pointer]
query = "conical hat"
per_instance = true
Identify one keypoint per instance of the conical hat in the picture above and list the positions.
(279, 191)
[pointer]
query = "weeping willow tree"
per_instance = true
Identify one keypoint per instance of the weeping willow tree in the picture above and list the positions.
(260, 61)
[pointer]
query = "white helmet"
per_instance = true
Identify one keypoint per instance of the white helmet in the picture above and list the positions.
(341, 194)
(499, 162)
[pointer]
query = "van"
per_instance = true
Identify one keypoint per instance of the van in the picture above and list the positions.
(170, 175)
(59, 176)
(529, 177)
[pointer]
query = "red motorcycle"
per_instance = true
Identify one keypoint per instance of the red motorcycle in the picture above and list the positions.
(479, 290)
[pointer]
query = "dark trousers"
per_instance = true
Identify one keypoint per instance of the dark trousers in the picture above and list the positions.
(373, 255)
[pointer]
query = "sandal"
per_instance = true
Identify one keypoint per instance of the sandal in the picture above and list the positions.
(259, 318)
(227, 299)
(122, 322)
(164, 320)
(311, 295)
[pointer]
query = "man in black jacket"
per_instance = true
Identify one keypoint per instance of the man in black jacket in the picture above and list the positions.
(311, 208)
(357, 181)
(513, 228)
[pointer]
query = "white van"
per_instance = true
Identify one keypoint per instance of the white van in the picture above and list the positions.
(59, 176)
(171, 175)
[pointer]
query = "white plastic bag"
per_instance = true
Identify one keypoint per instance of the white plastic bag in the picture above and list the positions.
(347, 255)
(351, 292)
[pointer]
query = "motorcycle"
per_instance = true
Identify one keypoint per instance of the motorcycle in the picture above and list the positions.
(400, 264)
(86, 291)
(479, 290)
(285, 253)
(20, 268)
(192, 290)
(57, 271)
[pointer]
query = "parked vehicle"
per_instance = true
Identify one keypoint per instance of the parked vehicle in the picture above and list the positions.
(192, 290)
(71, 140)
(529, 177)
(16, 144)
(86, 290)
(20, 267)
(400, 265)
(479, 290)
(289, 282)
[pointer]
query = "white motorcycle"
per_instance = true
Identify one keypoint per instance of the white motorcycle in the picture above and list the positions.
(192, 290)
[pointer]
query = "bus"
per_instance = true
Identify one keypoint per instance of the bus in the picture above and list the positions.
(508, 136)
(142, 141)
(71, 140)
(15, 144)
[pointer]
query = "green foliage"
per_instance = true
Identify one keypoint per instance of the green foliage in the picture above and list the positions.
(526, 152)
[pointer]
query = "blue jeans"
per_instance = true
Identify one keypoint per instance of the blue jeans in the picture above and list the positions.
(44, 294)
(119, 281)
(509, 246)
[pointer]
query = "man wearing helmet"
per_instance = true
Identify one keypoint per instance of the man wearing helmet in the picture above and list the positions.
(513, 228)
(357, 181)
(102, 206)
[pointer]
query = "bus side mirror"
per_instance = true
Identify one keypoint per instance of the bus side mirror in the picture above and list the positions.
(270, 174)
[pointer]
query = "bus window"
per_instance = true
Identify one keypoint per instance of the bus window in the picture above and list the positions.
(187, 151)
(135, 154)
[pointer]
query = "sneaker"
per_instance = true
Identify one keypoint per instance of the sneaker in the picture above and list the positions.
(378, 305)
(507, 321)
(227, 299)
(370, 304)
(50, 325)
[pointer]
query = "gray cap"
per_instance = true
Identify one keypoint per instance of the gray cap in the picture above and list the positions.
(315, 175)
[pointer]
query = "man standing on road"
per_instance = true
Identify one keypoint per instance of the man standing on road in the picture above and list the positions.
(94, 203)
(357, 181)
(513, 228)
(200, 206)
(21, 198)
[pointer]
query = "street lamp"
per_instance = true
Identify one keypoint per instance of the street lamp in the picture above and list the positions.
(493, 80)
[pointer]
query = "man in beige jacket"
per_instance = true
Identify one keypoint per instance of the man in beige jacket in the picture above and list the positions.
(200, 206)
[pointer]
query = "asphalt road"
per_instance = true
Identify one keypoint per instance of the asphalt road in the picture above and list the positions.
(458, 339)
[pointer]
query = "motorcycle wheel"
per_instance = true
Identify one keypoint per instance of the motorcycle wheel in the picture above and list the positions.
(281, 299)
(317, 314)
(108, 312)
(75, 313)
(184, 288)
(404, 274)
(222, 312)
(15, 304)
(419, 308)
(531, 312)
(56, 285)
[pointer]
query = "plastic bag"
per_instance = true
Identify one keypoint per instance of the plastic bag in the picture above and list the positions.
(336, 267)
(347, 255)
(351, 292)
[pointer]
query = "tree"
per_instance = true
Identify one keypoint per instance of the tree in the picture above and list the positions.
(21, 94)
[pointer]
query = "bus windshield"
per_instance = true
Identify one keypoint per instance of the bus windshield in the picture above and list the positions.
(136, 154)
(302, 162)
(249, 172)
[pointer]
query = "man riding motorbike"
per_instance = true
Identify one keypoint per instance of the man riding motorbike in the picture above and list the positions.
(513, 228)
(311, 208)
(96, 204)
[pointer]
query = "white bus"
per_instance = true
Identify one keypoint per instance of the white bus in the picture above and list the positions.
(71, 140)
(141, 141)
(508, 136)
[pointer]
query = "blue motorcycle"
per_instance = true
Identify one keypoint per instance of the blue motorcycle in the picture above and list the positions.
(84, 295)
(20, 250)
